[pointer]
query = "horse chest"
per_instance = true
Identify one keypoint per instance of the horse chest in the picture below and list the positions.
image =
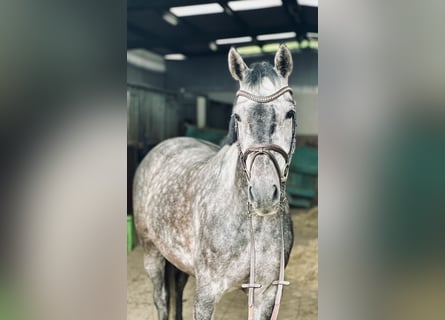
(224, 248)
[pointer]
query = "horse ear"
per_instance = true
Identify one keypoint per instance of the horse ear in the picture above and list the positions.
(283, 61)
(236, 64)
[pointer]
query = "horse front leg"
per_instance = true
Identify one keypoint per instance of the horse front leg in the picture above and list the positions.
(264, 303)
(207, 295)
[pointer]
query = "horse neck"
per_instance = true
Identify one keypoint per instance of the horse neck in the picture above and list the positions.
(229, 174)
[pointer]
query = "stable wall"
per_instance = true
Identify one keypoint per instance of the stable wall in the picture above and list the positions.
(138, 75)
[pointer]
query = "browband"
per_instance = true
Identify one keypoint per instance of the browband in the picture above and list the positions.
(264, 99)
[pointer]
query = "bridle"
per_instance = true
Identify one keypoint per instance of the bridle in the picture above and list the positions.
(266, 148)
(254, 151)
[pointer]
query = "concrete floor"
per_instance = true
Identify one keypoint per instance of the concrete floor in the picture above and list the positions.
(300, 299)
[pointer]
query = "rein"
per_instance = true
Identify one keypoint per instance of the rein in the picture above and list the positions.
(256, 150)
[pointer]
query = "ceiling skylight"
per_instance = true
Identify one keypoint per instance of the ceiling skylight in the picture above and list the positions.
(196, 10)
(308, 3)
(233, 40)
(253, 4)
(276, 36)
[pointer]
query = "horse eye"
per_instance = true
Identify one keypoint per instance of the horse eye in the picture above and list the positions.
(290, 114)
(237, 117)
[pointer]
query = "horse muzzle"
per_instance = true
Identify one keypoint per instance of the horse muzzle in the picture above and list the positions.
(264, 198)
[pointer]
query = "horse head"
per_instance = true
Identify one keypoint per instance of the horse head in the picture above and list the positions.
(263, 126)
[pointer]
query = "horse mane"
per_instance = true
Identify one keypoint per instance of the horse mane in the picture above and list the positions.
(231, 137)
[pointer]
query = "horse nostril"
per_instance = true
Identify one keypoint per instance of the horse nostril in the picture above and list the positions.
(275, 193)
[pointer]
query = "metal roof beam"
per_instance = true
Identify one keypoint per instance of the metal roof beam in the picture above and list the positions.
(150, 38)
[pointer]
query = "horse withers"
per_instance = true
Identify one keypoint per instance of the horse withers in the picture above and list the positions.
(220, 213)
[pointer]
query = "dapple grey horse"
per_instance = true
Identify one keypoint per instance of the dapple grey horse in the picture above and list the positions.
(196, 204)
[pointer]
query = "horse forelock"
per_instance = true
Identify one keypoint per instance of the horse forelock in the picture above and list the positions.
(258, 72)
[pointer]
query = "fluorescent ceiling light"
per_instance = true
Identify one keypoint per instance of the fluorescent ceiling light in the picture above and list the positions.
(249, 50)
(233, 40)
(145, 59)
(271, 47)
(175, 56)
(308, 3)
(253, 4)
(213, 46)
(292, 45)
(313, 35)
(276, 36)
(313, 44)
(196, 10)
(170, 18)
(304, 44)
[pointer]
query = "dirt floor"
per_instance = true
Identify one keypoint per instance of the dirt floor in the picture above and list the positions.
(300, 299)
